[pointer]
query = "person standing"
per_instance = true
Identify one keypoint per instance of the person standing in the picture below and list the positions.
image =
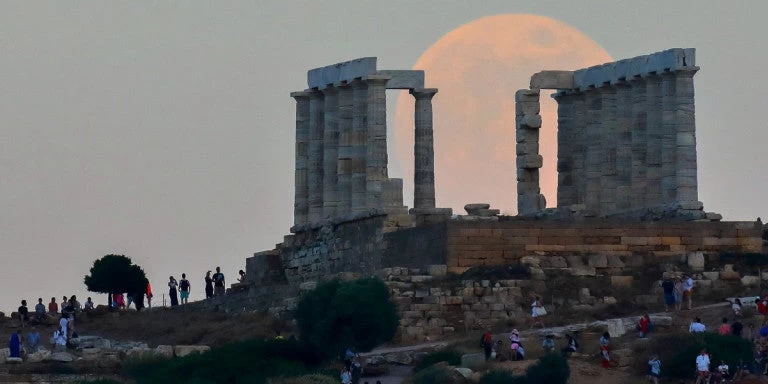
(486, 342)
(725, 328)
(185, 287)
(208, 285)
(23, 313)
(172, 291)
(669, 293)
(218, 282)
(702, 366)
(678, 292)
(655, 364)
(346, 376)
(356, 371)
(688, 290)
(64, 326)
(537, 311)
(149, 295)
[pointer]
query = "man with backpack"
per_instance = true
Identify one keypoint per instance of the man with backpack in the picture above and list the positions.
(218, 282)
(486, 342)
(184, 286)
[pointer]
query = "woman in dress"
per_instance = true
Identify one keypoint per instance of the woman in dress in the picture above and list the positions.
(678, 293)
(173, 292)
(208, 285)
(536, 309)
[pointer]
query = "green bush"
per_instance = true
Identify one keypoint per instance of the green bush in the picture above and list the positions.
(245, 362)
(339, 314)
(678, 362)
(501, 376)
(550, 369)
(450, 356)
(435, 374)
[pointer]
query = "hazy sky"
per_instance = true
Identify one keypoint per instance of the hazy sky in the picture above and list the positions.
(164, 130)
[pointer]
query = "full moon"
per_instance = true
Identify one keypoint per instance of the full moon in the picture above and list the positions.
(477, 69)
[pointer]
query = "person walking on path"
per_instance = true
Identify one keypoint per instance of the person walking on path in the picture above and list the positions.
(678, 292)
(486, 342)
(185, 287)
(655, 364)
(688, 290)
(172, 292)
(208, 285)
(669, 294)
(218, 282)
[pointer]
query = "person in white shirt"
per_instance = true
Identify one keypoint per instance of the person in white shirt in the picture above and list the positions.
(697, 326)
(723, 371)
(702, 366)
(688, 290)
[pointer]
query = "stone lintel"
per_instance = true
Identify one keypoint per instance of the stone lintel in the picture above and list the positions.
(675, 59)
(431, 211)
(348, 70)
(377, 78)
(300, 94)
(403, 79)
(552, 80)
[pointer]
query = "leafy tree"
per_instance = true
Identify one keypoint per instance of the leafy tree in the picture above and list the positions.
(337, 315)
(114, 274)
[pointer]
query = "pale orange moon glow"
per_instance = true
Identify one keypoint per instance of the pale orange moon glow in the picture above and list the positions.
(477, 69)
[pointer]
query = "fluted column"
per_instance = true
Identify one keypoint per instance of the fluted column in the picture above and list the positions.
(565, 140)
(624, 146)
(301, 188)
(344, 170)
(685, 123)
(358, 146)
(330, 151)
(376, 159)
(668, 139)
(639, 143)
(609, 138)
(653, 99)
(595, 149)
(579, 147)
(316, 155)
(423, 150)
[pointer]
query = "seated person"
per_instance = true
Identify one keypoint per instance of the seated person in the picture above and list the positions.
(548, 344)
(33, 340)
(696, 326)
(722, 373)
(242, 276)
(88, 305)
(52, 306)
(571, 347)
(40, 314)
(14, 345)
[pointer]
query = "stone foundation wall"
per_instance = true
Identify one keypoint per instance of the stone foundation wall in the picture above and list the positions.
(472, 244)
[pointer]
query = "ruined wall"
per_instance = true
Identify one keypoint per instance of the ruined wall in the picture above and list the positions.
(506, 242)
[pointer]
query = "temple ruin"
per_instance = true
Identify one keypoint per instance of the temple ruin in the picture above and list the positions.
(626, 136)
(341, 145)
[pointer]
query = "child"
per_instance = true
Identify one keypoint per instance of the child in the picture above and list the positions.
(655, 368)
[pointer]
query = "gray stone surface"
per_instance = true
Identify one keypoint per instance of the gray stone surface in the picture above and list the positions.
(552, 80)
(344, 71)
(403, 79)
(669, 60)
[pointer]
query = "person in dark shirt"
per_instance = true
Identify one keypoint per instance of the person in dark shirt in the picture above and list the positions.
(218, 282)
(669, 293)
(736, 328)
(23, 313)
(208, 285)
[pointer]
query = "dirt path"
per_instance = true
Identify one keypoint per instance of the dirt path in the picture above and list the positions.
(396, 376)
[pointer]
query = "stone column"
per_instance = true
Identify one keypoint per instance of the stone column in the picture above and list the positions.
(316, 155)
(578, 147)
(376, 159)
(301, 188)
(330, 152)
(423, 150)
(359, 145)
(528, 121)
(685, 122)
(344, 170)
(565, 139)
(624, 146)
(595, 150)
(653, 99)
(668, 139)
(608, 183)
(639, 143)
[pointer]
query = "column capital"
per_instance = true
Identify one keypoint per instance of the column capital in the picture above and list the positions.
(686, 71)
(342, 84)
(300, 95)
(423, 93)
(377, 79)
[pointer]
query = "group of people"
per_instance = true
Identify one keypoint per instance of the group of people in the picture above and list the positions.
(678, 290)
(69, 306)
(494, 350)
(214, 286)
(19, 344)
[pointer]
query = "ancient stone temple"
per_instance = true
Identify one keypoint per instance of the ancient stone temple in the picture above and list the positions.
(626, 138)
(341, 145)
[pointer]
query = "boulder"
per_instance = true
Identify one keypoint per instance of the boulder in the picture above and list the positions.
(165, 351)
(474, 208)
(597, 261)
(40, 355)
(728, 273)
(13, 360)
(622, 357)
(62, 357)
(92, 353)
(750, 281)
(621, 281)
(696, 261)
(610, 300)
(660, 320)
(472, 360)
(184, 350)
(713, 275)
(466, 372)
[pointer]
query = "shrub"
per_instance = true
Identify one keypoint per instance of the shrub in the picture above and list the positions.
(678, 362)
(501, 376)
(306, 379)
(450, 356)
(251, 361)
(436, 374)
(550, 369)
(337, 315)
